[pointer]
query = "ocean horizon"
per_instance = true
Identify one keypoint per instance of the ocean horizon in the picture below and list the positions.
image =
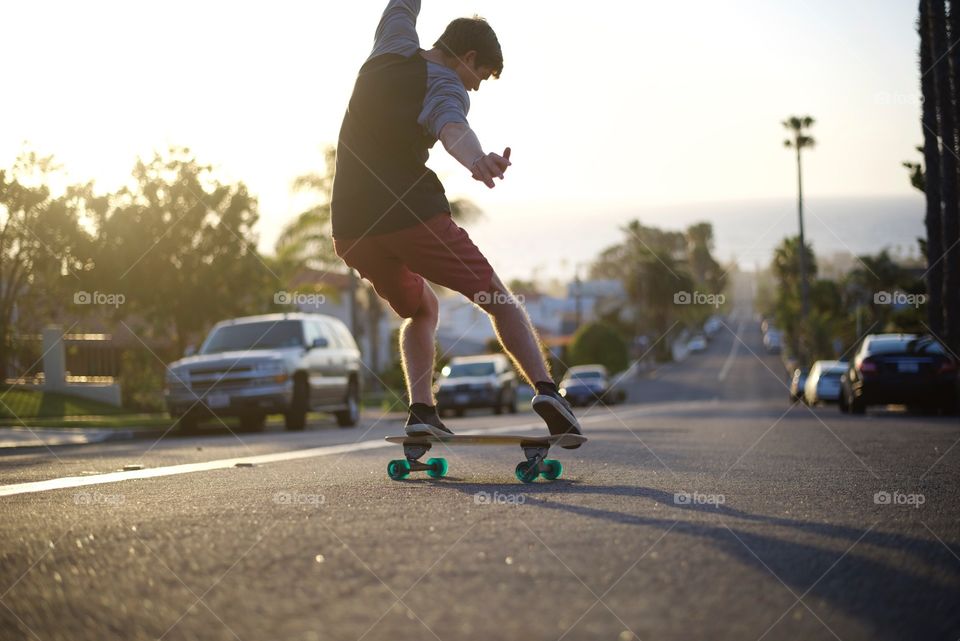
(552, 241)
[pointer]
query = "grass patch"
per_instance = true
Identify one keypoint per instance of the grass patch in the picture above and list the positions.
(21, 403)
(119, 422)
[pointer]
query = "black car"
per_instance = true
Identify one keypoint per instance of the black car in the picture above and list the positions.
(901, 369)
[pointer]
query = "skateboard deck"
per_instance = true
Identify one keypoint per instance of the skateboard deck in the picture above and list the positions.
(534, 448)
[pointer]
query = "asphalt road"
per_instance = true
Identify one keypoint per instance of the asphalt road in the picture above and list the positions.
(704, 508)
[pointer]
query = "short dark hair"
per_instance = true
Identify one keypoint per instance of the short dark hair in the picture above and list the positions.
(473, 34)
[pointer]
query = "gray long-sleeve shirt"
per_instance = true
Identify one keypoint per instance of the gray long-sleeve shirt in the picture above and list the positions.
(446, 99)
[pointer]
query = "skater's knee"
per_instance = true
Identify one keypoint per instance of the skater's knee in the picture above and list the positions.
(497, 298)
(429, 309)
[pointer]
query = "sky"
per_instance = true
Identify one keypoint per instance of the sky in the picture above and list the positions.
(613, 109)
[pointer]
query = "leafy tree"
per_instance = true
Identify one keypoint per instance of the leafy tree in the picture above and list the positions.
(873, 275)
(179, 245)
(704, 268)
(652, 264)
(43, 250)
(599, 343)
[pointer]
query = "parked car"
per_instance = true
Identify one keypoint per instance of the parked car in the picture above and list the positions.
(797, 381)
(697, 344)
(901, 369)
(713, 325)
(772, 340)
(255, 366)
(477, 381)
(823, 382)
(589, 384)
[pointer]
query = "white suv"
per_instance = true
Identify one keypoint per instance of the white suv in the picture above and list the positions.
(251, 367)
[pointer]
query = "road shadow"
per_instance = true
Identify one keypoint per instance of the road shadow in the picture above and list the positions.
(897, 604)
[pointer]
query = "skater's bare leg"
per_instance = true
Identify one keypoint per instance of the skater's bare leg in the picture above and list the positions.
(516, 333)
(519, 339)
(417, 341)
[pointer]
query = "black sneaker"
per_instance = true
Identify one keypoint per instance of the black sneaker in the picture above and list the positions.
(556, 413)
(424, 421)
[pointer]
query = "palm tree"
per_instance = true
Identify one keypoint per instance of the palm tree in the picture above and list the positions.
(797, 125)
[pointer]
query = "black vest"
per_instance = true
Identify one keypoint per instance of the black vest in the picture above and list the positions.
(382, 183)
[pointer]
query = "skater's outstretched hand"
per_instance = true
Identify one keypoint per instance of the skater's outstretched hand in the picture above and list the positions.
(490, 166)
(462, 143)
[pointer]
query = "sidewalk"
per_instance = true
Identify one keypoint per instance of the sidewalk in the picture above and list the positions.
(17, 437)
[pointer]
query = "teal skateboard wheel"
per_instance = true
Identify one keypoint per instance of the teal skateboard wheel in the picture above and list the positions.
(438, 468)
(526, 472)
(553, 471)
(398, 469)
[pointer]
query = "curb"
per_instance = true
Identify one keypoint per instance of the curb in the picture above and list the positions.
(14, 438)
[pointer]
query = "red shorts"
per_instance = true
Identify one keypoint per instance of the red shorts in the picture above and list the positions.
(397, 263)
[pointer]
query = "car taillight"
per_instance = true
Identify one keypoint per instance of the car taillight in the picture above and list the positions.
(867, 366)
(947, 367)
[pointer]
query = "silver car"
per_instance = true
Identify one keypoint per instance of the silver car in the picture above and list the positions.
(467, 382)
(251, 367)
(823, 382)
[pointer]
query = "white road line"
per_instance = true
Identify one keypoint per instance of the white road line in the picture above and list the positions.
(187, 468)
(733, 354)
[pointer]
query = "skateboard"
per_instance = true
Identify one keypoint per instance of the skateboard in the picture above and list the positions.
(534, 448)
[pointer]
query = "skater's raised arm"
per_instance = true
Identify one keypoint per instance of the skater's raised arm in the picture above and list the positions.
(397, 31)
(462, 143)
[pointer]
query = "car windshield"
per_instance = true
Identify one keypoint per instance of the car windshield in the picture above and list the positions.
(587, 377)
(924, 345)
(459, 370)
(261, 335)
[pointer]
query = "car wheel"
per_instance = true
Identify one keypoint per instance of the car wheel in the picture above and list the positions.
(498, 408)
(350, 416)
(512, 405)
(296, 417)
(842, 403)
(856, 405)
(252, 422)
(458, 412)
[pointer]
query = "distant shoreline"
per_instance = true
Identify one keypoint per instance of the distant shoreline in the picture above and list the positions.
(549, 242)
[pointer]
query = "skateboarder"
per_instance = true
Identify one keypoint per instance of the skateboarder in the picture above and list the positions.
(391, 218)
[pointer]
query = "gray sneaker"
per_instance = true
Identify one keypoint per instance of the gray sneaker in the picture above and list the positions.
(421, 423)
(557, 414)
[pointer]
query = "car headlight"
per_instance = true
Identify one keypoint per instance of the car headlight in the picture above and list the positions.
(176, 378)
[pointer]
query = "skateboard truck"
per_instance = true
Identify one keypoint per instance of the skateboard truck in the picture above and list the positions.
(537, 464)
(413, 452)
